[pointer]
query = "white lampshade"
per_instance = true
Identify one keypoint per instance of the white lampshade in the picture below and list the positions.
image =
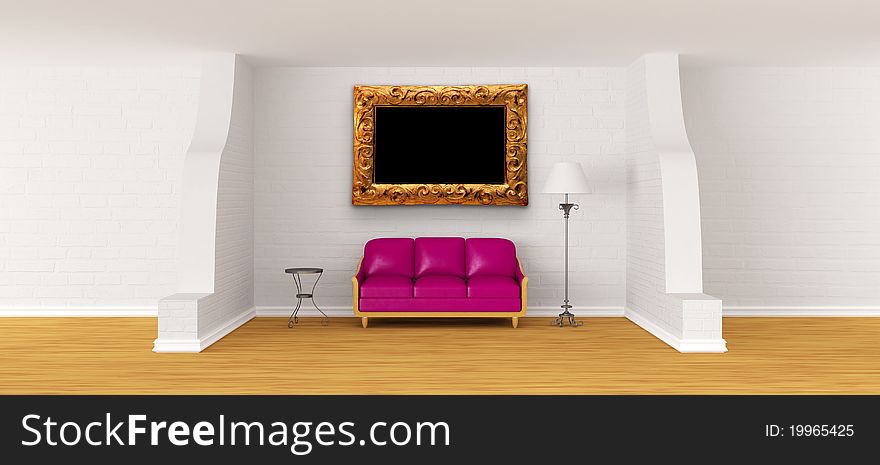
(567, 178)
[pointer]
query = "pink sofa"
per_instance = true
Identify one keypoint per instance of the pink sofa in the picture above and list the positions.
(439, 276)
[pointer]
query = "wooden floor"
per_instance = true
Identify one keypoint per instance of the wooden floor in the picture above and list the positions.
(607, 355)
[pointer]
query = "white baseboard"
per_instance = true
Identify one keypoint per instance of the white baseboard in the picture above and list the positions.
(579, 311)
(681, 345)
(177, 346)
(200, 344)
(702, 346)
(306, 311)
(153, 311)
(792, 311)
(80, 311)
(229, 327)
(343, 311)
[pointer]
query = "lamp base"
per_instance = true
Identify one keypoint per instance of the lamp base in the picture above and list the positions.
(567, 315)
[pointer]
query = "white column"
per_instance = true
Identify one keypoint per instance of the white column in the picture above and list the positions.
(215, 265)
(664, 247)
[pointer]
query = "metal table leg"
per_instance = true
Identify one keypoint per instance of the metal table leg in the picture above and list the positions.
(325, 320)
(300, 295)
(294, 319)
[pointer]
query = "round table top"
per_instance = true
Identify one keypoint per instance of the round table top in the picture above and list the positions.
(304, 270)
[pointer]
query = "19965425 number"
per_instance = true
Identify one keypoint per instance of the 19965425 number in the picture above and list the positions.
(805, 431)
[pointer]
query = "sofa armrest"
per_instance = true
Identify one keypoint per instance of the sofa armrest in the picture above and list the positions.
(356, 282)
(519, 274)
(359, 274)
(523, 286)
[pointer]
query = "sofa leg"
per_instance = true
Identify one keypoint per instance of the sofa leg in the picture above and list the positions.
(515, 321)
(364, 321)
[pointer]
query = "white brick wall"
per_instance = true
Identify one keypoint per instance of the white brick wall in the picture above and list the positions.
(179, 317)
(303, 212)
(234, 246)
(688, 322)
(789, 164)
(701, 314)
(788, 158)
(89, 161)
(645, 259)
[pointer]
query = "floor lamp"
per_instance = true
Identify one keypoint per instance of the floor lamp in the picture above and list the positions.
(567, 178)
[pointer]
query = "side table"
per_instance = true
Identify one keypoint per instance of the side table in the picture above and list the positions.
(297, 274)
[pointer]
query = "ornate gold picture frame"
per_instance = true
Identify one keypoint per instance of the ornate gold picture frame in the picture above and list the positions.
(514, 190)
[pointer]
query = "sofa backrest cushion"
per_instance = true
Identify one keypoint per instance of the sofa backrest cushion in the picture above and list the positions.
(388, 256)
(489, 256)
(439, 256)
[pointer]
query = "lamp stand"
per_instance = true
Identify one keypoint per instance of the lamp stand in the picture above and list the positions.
(566, 313)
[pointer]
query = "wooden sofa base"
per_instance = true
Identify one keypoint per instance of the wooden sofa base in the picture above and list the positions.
(365, 316)
(514, 316)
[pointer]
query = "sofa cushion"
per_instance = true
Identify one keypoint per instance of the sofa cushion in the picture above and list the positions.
(485, 256)
(440, 305)
(387, 286)
(388, 256)
(439, 286)
(488, 286)
(439, 256)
